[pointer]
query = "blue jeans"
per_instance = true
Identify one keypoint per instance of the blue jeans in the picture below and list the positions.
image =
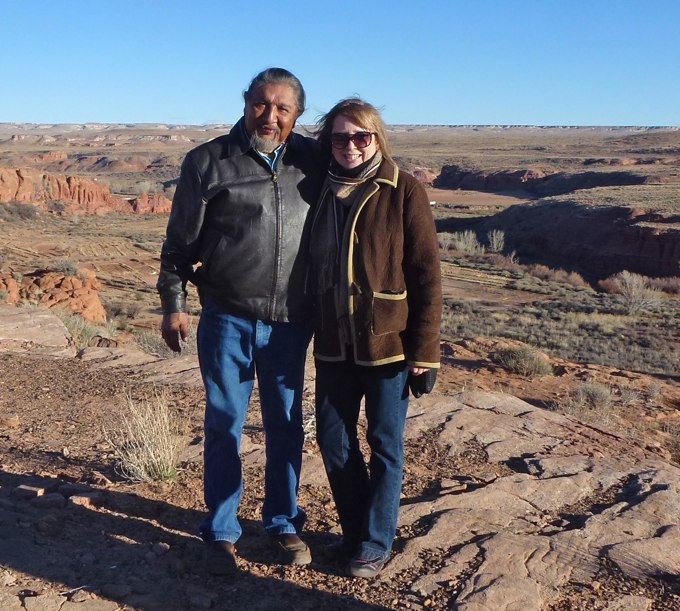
(367, 500)
(232, 350)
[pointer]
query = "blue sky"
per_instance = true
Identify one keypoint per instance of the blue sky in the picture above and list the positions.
(537, 62)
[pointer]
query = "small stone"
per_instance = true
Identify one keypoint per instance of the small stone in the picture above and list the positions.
(43, 602)
(161, 548)
(50, 526)
(26, 492)
(596, 585)
(10, 422)
(54, 500)
(7, 579)
(87, 499)
(80, 597)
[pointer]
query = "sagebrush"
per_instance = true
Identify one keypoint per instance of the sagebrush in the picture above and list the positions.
(148, 444)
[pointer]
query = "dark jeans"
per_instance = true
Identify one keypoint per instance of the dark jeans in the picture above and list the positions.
(367, 500)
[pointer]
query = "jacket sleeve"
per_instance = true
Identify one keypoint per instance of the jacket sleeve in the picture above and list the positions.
(422, 271)
(179, 253)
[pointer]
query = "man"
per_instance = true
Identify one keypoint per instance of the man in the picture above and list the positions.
(236, 231)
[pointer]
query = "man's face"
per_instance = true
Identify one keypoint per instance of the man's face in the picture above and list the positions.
(270, 114)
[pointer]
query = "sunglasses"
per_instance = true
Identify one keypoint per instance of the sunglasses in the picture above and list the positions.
(339, 140)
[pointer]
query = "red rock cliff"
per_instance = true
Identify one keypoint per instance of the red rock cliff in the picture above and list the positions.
(75, 194)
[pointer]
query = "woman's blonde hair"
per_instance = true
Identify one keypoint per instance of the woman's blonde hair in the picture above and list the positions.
(360, 113)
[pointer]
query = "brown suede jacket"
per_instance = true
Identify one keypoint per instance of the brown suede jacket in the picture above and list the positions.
(391, 267)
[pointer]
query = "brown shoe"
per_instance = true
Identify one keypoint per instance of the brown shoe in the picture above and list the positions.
(220, 556)
(291, 549)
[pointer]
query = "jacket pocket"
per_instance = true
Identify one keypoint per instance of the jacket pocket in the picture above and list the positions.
(389, 312)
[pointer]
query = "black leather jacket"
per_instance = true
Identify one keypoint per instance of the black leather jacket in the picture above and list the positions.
(244, 225)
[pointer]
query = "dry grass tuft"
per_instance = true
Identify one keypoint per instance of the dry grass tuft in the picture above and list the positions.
(148, 444)
(591, 402)
(80, 329)
(524, 361)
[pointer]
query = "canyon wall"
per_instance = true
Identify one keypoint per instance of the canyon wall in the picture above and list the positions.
(598, 241)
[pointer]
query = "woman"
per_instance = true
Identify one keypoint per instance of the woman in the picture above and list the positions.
(374, 270)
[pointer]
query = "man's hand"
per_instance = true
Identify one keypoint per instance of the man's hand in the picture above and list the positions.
(175, 327)
(416, 371)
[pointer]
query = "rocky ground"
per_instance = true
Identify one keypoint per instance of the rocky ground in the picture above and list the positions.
(506, 504)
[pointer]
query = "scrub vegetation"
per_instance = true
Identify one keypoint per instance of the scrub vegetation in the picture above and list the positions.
(624, 322)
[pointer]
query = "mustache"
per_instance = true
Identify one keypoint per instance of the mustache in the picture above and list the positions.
(272, 126)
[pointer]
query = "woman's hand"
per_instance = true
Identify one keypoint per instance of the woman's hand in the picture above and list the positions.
(416, 371)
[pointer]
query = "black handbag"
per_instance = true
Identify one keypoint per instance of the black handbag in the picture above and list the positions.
(423, 383)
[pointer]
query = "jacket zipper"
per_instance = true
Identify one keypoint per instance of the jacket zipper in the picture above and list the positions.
(277, 243)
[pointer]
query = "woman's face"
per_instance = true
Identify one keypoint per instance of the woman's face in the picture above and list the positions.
(350, 155)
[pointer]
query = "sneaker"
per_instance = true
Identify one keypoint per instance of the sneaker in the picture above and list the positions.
(220, 556)
(367, 565)
(291, 549)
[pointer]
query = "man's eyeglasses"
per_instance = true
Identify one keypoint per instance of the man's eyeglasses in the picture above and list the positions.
(339, 140)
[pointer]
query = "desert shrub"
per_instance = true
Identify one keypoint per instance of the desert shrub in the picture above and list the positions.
(4, 296)
(67, 267)
(591, 402)
(557, 275)
(445, 241)
(56, 207)
(634, 289)
(122, 309)
(13, 211)
(672, 433)
(653, 391)
(81, 330)
(496, 240)
(628, 395)
(523, 360)
(147, 444)
(467, 242)
(667, 285)
(504, 261)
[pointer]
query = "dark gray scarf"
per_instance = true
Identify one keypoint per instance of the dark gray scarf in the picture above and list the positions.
(338, 197)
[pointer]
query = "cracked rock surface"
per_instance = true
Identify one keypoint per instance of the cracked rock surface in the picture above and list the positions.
(506, 506)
